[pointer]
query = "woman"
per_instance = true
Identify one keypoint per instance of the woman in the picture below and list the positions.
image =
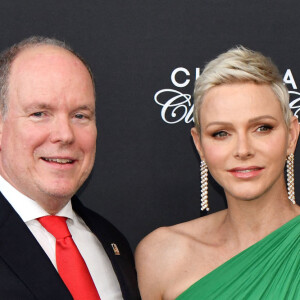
(244, 133)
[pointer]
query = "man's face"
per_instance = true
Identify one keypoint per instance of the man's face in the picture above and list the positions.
(48, 136)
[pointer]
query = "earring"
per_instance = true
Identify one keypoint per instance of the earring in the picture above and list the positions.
(204, 185)
(290, 178)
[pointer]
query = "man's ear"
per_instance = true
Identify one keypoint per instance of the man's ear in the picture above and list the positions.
(197, 141)
(293, 135)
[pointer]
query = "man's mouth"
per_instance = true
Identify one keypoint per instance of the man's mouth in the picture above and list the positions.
(59, 160)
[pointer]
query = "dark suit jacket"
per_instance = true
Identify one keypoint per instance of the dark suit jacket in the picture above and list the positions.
(26, 271)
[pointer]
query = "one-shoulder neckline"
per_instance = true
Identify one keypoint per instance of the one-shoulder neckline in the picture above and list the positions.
(267, 237)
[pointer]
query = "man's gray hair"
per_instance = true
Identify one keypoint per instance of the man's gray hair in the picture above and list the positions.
(8, 56)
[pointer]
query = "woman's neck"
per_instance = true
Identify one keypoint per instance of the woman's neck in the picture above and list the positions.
(248, 221)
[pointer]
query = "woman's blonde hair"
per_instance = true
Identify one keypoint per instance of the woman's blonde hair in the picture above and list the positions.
(240, 64)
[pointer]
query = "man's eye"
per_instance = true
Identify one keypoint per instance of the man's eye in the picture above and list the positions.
(38, 114)
(79, 116)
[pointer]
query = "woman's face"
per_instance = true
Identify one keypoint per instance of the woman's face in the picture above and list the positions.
(244, 139)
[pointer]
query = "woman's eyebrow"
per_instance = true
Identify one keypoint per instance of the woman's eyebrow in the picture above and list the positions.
(262, 118)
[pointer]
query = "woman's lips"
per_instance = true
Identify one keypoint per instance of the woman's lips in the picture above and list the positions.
(246, 172)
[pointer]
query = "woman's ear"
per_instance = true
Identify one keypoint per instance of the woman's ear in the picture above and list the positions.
(197, 141)
(293, 135)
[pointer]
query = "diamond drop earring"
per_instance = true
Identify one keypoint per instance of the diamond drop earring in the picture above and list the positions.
(204, 186)
(290, 178)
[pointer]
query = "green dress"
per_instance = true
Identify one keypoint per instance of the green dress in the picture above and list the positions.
(269, 269)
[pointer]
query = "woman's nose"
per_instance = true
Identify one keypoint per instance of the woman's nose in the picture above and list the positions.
(243, 147)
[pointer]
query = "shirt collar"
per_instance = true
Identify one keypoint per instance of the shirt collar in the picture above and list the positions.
(27, 208)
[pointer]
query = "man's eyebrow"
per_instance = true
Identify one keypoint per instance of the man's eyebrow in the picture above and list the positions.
(38, 106)
(85, 107)
(49, 106)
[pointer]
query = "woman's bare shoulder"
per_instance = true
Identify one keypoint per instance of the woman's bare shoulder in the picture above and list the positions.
(155, 258)
(164, 239)
(166, 250)
(159, 243)
(200, 227)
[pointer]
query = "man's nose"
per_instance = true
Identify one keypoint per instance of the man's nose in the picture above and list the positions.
(62, 131)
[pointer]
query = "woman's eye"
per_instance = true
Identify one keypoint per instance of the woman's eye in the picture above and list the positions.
(264, 128)
(220, 134)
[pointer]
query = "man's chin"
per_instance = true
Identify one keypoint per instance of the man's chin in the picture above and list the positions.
(54, 201)
(58, 194)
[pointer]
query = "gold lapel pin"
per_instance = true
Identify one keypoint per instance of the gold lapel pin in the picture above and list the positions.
(115, 248)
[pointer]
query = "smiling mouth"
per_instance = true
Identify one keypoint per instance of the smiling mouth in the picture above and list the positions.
(59, 160)
(247, 171)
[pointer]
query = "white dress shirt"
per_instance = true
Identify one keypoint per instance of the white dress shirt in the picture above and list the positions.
(88, 245)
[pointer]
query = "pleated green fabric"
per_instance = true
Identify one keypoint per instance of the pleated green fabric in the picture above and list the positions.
(269, 269)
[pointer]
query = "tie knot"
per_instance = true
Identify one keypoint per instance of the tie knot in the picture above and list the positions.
(57, 226)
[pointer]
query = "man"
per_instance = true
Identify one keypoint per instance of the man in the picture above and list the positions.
(47, 149)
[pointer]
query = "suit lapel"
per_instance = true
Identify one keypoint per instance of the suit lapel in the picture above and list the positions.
(107, 234)
(22, 253)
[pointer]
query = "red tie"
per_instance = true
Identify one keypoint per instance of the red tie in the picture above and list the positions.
(70, 264)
